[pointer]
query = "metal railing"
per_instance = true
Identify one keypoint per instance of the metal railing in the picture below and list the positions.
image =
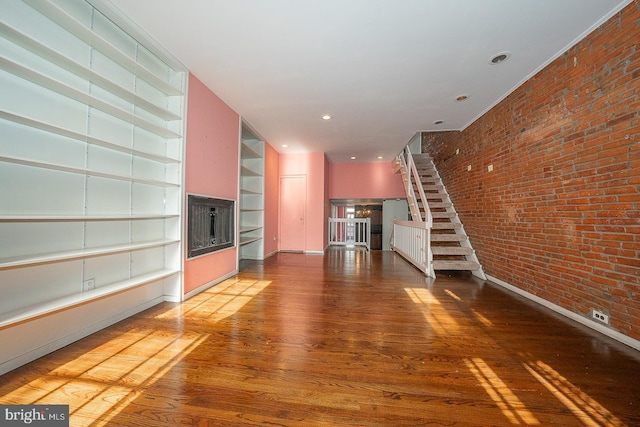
(350, 232)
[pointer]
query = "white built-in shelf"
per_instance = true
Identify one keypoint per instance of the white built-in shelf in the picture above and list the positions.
(82, 32)
(83, 97)
(248, 228)
(245, 191)
(26, 121)
(74, 218)
(251, 209)
(31, 259)
(247, 240)
(57, 304)
(249, 153)
(83, 72)
(83, 171)
(245, 171)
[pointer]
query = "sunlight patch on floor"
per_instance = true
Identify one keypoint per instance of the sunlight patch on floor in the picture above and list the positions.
(512, 407)
(586, 409)
(218, 302)
(101, 383)
(436, 315)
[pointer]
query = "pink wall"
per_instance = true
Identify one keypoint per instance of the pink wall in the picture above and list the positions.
(271, 198)
(211, 169)
(364, 181)
(311, 165)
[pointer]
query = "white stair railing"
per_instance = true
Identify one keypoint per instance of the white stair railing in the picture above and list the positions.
(411, 240)
(350, 232)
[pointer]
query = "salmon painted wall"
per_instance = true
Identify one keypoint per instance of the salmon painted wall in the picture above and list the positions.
(211, 169)
(364, 181)
(271, 198)
(311, 165)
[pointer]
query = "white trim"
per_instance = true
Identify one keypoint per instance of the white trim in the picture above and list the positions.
(624, 339)
(31, 355)
(208, 285)
(314, 252)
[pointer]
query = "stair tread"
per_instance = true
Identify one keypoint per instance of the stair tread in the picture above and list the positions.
(455, 265)
(448, 238)
(441, 215)
(450, 250)
(445, 226)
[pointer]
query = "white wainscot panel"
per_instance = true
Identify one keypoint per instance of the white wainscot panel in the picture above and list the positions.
(27, 190)
(40, 336)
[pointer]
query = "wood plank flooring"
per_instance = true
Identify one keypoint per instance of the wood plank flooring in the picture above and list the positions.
(348, 338)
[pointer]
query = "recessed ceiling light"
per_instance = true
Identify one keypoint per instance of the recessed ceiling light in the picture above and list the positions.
(326, 117)
(353, 157)
(379, 157)
(284, 145)
(462, 98)
(499, 58)
(438, 122)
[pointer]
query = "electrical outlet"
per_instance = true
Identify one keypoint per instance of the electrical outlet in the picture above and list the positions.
(468, 168)
(88, 285)
(490, 168)
(457, 151)
(600, 316)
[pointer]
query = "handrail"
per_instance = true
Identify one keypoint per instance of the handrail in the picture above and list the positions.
(411, 240)
(408, 167)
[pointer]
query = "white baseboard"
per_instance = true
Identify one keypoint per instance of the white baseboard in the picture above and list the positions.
(56, 344)
(624, 339)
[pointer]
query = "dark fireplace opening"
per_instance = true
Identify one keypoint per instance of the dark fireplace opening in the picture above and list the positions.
(211, 225)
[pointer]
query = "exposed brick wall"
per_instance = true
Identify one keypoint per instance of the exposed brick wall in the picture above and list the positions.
(559, 216)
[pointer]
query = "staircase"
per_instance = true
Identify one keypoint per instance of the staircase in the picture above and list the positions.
(450, 244)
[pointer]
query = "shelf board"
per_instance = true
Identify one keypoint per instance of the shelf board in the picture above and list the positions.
(76, 28)
(82, 97)
(87, 218)
(81, 71)
(63, 303)
(245, 191)
(251, 209)
(248, 228)
(26, 121)
(247, 240)
(26, 260)
(245, 171)
(83, 171)
(248, 152)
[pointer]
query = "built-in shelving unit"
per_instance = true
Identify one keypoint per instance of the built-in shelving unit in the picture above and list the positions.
(91, 163)
(251, 196)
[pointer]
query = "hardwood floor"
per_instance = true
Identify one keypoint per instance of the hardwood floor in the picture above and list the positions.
(348, 338)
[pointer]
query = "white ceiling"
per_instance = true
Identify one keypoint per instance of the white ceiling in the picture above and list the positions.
(384, 69)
